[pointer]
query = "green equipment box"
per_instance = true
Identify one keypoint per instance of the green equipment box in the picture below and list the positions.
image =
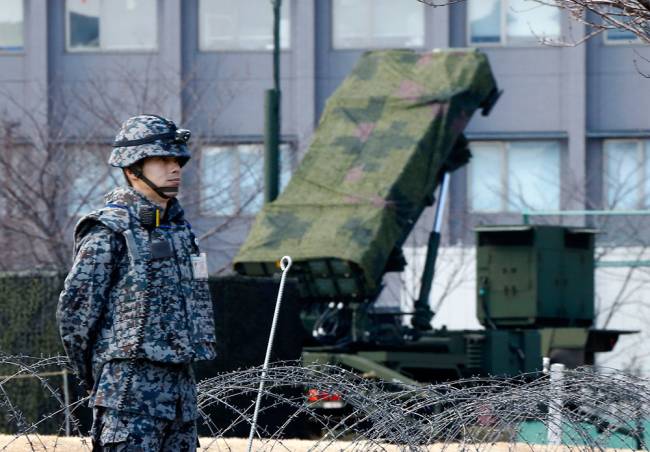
(534, 276)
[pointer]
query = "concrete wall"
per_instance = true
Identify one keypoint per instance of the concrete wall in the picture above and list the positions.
(333, 65)
(578, 95)
(544, 97)
(549, 92)
(96, 90)
(23, 75)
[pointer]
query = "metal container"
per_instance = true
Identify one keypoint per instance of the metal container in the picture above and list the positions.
(535, 276)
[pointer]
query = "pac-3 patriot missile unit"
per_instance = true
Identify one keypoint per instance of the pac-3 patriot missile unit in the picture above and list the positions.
(388, 138)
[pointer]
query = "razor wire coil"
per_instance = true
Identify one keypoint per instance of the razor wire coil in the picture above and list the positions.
(598, 409)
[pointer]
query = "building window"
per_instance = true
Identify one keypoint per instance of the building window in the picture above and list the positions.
(361, 24)
(241, 25)
(618, 36)
(514, 176)
(511, 22)
(627, 174)
(11, 26)
(111, 25)
(232, 178)
(91, 179)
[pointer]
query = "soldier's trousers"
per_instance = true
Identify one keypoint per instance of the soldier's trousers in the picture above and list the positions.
(119, 431)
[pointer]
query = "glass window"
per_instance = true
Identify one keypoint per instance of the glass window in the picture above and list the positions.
(218, 169)
(486, 177)
(530, 21)
(617, 35)
(11, 26)
(484, 21)
(533, 175)
(241, 25)
(620, 36)
(512, 21)
(91, 179)
(232, 178)
(251, 178)
(623, 174)
(112, 25)
(373, 24)
(514, 176)
(645, 195)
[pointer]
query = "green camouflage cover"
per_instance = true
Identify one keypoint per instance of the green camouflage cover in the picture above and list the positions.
(376, 157)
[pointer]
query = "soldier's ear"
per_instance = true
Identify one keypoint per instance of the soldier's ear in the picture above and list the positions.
(133, 172)
(128, 176)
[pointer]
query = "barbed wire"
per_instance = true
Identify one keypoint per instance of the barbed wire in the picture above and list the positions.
(581, 409)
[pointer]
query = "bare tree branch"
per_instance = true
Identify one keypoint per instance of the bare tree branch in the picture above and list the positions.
(53, 164)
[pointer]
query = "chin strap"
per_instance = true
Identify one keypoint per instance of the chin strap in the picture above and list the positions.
(163, 192)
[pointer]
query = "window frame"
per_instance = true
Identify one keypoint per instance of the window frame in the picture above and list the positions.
(4, 51)
(374, 47)
(504, 190)
(503, 195)
(503, 35)
(621, 42)
(642, 160)
(104, 51)
(239, 210)
(202, 49)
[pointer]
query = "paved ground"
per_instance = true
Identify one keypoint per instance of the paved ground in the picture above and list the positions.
(49, 443)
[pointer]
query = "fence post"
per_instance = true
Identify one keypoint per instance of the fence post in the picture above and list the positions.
(66, 400)
(554, 420)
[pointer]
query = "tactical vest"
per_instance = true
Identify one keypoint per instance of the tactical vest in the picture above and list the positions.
(157, 310)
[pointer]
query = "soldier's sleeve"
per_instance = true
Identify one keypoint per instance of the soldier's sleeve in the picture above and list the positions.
(85, 293)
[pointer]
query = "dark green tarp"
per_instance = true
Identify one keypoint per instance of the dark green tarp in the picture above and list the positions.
(376, 157)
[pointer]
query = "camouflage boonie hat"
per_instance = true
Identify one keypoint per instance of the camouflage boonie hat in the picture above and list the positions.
(148, 135)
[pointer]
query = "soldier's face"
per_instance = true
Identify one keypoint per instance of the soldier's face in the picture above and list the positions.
(163, 171)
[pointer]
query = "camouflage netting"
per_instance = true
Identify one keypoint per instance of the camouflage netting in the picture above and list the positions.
(27, 309)
(386, 135)
(243, 310)
(27, 315)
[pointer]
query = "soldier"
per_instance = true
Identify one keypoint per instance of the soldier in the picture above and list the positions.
(135, 310)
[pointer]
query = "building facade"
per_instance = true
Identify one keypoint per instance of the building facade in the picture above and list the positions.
(570, 131)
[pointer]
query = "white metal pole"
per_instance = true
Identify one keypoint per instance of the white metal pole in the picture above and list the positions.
(285, 264)
(442, 200)
(554, 420)
(66, 400)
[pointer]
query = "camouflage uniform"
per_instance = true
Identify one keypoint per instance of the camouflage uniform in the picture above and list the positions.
(132, 316)
(145, 433)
